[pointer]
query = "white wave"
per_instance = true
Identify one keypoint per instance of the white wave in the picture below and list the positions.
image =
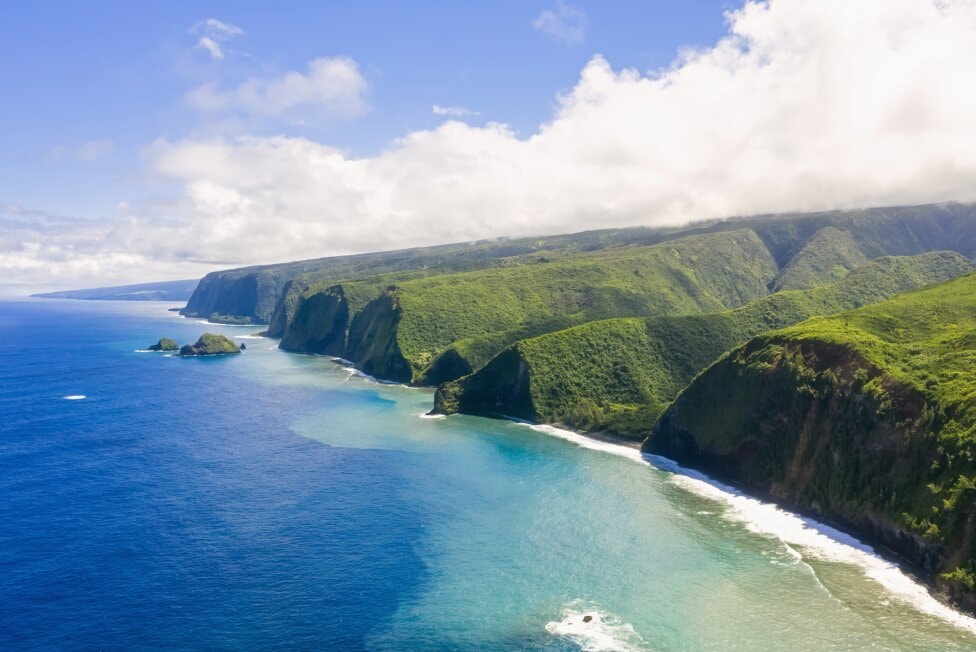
(800, 534)
(595, 631)
(348, 367)
(74, 397)
(428, 415)
(589, 442)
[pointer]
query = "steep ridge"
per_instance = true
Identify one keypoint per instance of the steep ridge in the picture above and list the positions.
(617, 375)
(497, 306)
(828, 256)
(866, 418)
(252, 294)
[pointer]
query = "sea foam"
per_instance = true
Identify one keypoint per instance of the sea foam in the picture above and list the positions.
(74, 397)
(797, 533)
(595, 631)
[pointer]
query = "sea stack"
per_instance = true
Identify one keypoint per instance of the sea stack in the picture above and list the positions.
(210, 344)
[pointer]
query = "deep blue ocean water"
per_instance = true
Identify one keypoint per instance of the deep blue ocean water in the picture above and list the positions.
(277, 501)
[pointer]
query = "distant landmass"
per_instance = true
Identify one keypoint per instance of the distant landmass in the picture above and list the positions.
(163, 291)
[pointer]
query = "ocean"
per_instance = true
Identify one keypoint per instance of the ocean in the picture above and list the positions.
(281, 501)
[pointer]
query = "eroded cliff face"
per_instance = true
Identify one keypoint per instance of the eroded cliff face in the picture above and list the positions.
(319, 324)
(285, 308)
(817, 428)
(500, 388)
(220, 298)
(372, 343)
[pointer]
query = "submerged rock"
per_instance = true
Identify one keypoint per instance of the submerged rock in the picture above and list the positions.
(210, 344)
(164, 344)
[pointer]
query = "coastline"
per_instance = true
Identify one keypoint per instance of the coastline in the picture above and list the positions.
(822, 540)
(793, 527)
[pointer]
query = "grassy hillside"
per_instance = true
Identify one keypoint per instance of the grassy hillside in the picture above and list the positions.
(498, 306)
(867, 417)
(828, 256)
(254, 294)
(619, 374)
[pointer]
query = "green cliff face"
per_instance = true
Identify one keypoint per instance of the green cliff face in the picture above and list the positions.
(231, 297)
(617, 375)
(446, 325)
(210, 344)
(285, 307)
(253, 294)
(866, 418)
(320, 325)
(373, 346)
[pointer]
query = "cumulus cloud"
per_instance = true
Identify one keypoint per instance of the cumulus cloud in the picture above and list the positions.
(332, 84)
(801, 106)
(43, 251)
(213, 34)
(564, 22)
(452, 111)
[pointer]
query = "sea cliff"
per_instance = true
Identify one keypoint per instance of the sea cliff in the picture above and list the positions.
(866, 419)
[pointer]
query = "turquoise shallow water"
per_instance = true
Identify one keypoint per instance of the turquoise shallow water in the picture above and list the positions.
(276, 500)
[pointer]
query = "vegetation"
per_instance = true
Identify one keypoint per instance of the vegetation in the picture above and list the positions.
(258, 294)
(165, 344)
(828, 256)
(617, 375)
(867, 417)
(255, 294)
(478, 313)
(210, 344)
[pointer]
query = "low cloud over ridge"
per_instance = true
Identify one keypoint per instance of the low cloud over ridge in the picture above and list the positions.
(802, 106)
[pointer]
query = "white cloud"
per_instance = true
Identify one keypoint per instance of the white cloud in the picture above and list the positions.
(565, 22)
(88, 151)
(213, 33)
(332, 84)
(802, 106)
(452, 111)
(211, 46)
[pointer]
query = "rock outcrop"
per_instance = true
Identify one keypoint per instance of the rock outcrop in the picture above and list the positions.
(164, 344)
(210, 344)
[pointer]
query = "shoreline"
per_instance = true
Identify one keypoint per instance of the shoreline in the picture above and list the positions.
(825, 541)
(904, 580)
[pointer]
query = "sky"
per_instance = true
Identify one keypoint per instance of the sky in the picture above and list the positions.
(161, 140)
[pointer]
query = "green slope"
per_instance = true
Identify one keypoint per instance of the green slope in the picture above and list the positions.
(255, 294)
(495, 307)
(867, 418)
(619, 374)
(258, 294)
(828, 256)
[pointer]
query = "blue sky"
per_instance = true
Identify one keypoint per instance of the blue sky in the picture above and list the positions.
(148, 140)
(115, 74)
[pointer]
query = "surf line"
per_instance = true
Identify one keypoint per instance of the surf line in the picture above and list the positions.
(818, 539)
